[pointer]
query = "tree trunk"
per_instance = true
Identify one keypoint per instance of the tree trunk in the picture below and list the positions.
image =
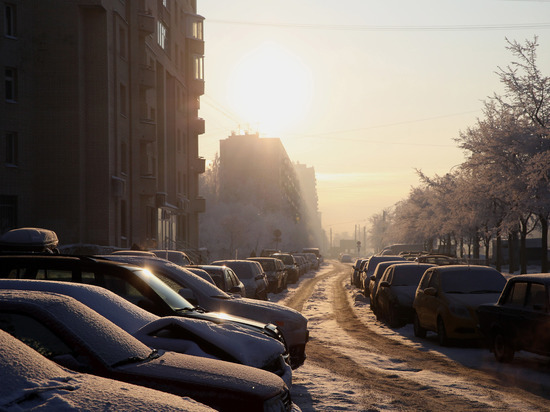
(498, 252)
(476, 246)
(512, 264)
(544, 243)
(523, 248)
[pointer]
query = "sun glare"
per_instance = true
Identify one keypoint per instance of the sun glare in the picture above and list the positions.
(271, 89)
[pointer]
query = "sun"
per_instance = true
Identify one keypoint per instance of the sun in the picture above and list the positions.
(271, 89)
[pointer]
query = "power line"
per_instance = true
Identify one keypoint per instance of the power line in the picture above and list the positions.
(333, 27)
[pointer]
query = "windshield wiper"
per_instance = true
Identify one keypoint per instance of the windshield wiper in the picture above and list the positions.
(136, 359)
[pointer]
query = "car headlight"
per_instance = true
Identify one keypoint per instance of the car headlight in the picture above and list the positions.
(459, 311)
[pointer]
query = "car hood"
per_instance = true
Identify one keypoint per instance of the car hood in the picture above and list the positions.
(247, 346)
(199, 377)
(472, 300)
(265, 312)
(268, 329)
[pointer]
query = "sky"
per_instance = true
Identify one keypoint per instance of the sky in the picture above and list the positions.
(366, 92)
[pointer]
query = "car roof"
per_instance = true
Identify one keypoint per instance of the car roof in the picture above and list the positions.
(532, 277)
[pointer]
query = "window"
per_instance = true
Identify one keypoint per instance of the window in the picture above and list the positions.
(197, 28)
(122, 50)
(11, 149)
(123, 101)
(198, 67)
(9, 20)
(161, 34)
(11, 84)
(8, 213)
(516, 296)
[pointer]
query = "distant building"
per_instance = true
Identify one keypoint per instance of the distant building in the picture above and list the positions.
(100, 126)
(258, 170)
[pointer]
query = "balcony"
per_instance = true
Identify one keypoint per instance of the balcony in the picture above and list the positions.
(146, 77)
(198, 205)
(146, 23)
(199, 165)
(195, 46)
(197, 126)
(196, 87)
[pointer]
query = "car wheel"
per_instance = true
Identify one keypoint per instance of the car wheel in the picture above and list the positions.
(442, 333)
(419, 331)
(503, 350)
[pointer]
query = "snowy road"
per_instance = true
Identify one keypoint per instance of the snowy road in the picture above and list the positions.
(356, 363)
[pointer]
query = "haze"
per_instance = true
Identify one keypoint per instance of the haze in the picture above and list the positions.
(364, 91)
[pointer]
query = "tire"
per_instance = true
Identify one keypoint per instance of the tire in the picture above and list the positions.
(502, 349)
(419, 331)
(391, 317)
(442, 333)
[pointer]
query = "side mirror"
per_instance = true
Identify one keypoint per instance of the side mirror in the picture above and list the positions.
(384, 284)
(372, 277)
(430, 291)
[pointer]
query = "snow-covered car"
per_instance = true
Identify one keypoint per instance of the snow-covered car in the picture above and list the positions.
(224, 278)
(375, 280)
(291, 323)
(275, 271)
(133, 283)
(74, 336)
(292, 269)
(175, 333)
(251, 274)
(175, 256)
(395, 294)
(447, 298)
(32, 382)
(368, 270)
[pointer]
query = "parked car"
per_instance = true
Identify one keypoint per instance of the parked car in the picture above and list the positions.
(74, 336)
(32, 382)
(303, 265)
(396, 290)
(133, 283)
(131, 252)
(291, 323)
(375, 280)
(224, 278)
(292, 269)
(520, 320)
(345, 258)
(370, 267)
(357, 267)
(447, 297)
(175, 333)
(275, 271)
(251, 274)
(201, 272)
(440, 260)
(175, 256)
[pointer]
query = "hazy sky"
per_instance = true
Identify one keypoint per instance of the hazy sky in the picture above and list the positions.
(364, 91)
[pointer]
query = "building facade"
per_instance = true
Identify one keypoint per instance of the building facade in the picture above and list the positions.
(100, 126)
(259, 171)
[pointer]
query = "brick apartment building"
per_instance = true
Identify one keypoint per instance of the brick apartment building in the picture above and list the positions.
(99, 120)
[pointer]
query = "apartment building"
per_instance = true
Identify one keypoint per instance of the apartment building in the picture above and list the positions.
(99, 120)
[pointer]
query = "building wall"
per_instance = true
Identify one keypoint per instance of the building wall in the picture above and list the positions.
(106, 121)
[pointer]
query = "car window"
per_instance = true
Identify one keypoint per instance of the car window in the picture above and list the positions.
(34, 333)
(516, 296)
(426, 279)
(472, 281)
(434, 280)
(536, 298)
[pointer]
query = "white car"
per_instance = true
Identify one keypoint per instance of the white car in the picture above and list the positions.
(32, 382)
(291, 323)
(184, 335)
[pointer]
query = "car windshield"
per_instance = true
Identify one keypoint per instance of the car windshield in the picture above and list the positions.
(407, 278)
(287, 260)
(268, 265)
(472, 281)
(167, 294)
(178, 277)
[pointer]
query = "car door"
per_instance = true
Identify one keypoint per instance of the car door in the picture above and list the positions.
(420, 298)
(535, 319)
